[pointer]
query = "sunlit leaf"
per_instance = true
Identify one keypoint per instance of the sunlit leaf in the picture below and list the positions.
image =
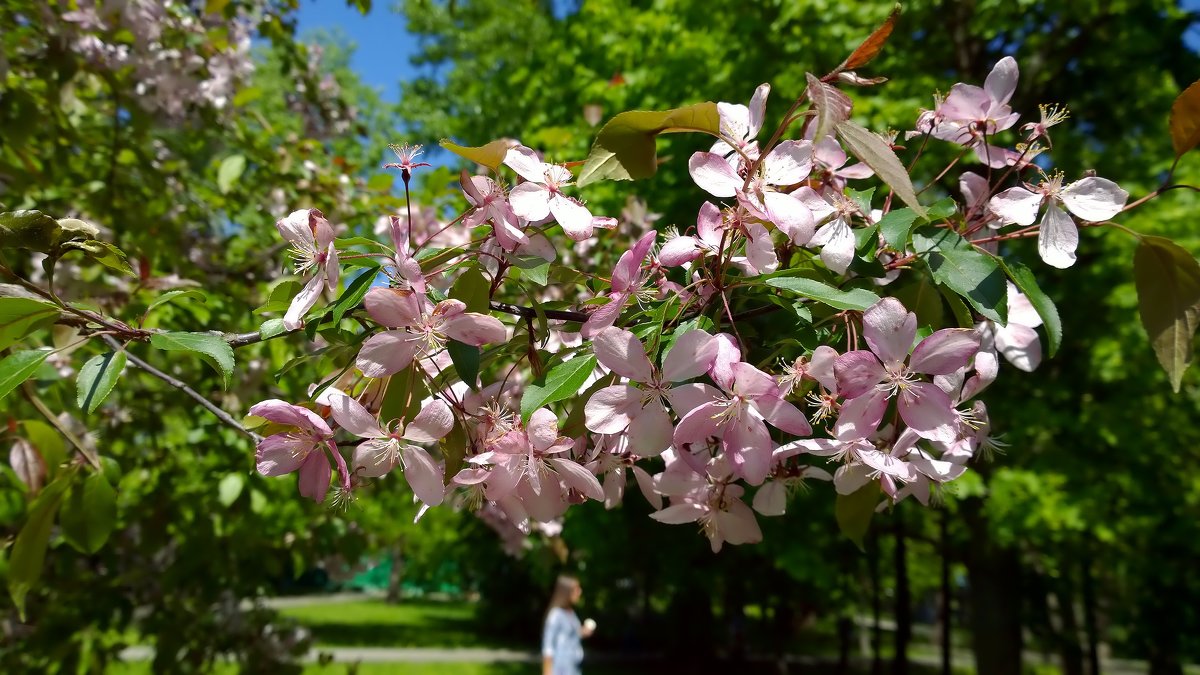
(625, 147)
(1168, 287)
(877, 154)
(97, 378)
(1185, 119)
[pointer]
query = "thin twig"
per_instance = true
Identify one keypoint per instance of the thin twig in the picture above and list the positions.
(530, 313)
(208, 405)
(31, 396)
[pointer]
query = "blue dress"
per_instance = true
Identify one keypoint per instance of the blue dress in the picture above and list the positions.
(561, 641)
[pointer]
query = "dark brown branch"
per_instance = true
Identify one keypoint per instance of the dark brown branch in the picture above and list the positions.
(208, 405)
(530, 313)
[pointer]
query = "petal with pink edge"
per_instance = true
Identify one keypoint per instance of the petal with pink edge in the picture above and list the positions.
(1020, 345)
(304, 301)
(530, 201)
(690, 356)
(860, 417)
(525, 162)
(604, 315)
(728, 354)
(771, 498)
(375, 458)
(678, 514)
(474, 329)
(651, 430)
(315, 473)
(542, 429)
(578, 478)
(748, 443)
(432, 423)
(679, 251)
(945, 351)
(685, 398)
(297, 228)
(699, 424)
(646, 485)
(575, 218)
(283, 412)
(889, 329)
(714, 175)
(393, 307)
(928, 411)
(788, 163)
(423, 475)
(857, 372)
(281, 454)
(782, 415)
(621, 352)
(352, 416)
(791, 216)
(386, 353)
(610, 410)
(1002, 81)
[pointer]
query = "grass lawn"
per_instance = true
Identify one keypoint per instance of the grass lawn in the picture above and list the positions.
(374, 623)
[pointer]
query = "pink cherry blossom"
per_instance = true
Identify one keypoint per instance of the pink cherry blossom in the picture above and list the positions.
(835, 236)
(383, 450)
(490, 204)
(740, 125)
(788, 163)
(1091, 199)
(738, 416)
(313, 251)
(709, 233)
(301, 449)
(889, 330)
(627, 281)
(709, 499)
(541, 195)
(970, 115)
(642, 411)
(420, 329)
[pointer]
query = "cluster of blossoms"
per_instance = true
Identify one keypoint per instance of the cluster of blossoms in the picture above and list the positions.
(691, 411)
(157, 39)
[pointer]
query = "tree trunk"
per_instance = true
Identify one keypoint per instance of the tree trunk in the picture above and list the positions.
(397, 574)
(876, 630)
(903, 606)
(945, 616)
(1068, 628)
(1089, 617)
(994, 573)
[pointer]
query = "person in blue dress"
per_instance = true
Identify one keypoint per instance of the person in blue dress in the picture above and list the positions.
(562, 635)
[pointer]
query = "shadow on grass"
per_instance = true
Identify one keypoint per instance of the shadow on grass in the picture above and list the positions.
(374, 623)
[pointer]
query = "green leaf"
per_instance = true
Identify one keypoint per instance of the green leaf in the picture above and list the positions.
(89, 514)
(21, 316)
(354, 293)
(230, 488)
(402, 400)
(977, 277)
(18, 367)
(942, 209)
(854, 512)
(490, 155)
(230, 170)
(271, 327)
(928, 238)
(29, 550)
(381, 182)
(962, 315)
(855, 298)
(48, 442)
(466, 361)
(454, 449)
(862, 199)
(923, 299)
(894, 227)
(28, 229)
(538, 274)
(877, 154)
(97, 378)
(1185, 120)
(562, 382)
(1168, 287)
(625, 147)
(212, 348)
(177, 295)
(104, 253)
(473, 289)
(1023, 277)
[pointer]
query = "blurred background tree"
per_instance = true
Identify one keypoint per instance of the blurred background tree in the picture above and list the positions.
(1080, 538)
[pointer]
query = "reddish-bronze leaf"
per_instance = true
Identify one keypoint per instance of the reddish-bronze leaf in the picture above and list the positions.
(871, 47)
(1185, 120)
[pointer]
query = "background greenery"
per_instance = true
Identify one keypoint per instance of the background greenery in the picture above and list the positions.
(1080, 539)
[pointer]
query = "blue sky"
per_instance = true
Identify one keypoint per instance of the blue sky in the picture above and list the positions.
(383, 43)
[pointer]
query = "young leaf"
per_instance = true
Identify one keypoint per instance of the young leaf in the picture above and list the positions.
(874, 43)
(974, 275)
(21, 316)
(466, 361)
(18, 367)
(230, 488)
(625, 147)
(29, 550)
(895, 225)
(48, 442)
(1023, 277)
(832, 106)
(170, 296)
(1185, 120)
(97, 378)
(854, 512)
(490, 155)
(353, 294)
(230, 170)
(562, 382)
(89, 514)
(877, 154)
(472, 289)
(1168, 287)
(212, 348)
(855, 298)
(270, 328)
